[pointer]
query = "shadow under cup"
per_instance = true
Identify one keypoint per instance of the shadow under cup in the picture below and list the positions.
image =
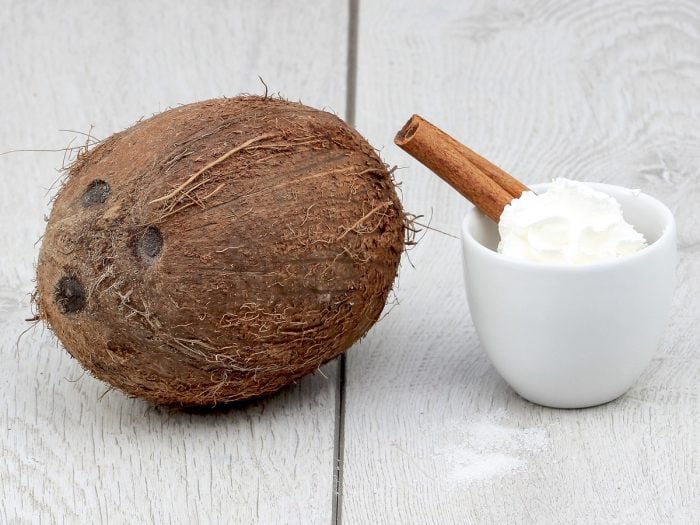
(572, 336)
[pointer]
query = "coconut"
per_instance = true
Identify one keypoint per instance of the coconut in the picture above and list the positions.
(220, 250)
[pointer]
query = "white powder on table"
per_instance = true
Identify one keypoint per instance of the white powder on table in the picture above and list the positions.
(489, 447)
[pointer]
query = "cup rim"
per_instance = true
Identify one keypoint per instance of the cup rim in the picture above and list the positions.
(668, 233)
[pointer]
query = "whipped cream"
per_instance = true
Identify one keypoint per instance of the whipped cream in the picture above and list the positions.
(571, 223)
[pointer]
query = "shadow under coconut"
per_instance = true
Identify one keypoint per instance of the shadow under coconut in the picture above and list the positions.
(243, 406)
(304, 392)
(231, 406)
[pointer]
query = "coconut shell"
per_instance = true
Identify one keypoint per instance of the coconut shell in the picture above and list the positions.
(219, 251)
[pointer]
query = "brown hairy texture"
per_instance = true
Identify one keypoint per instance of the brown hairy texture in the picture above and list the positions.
(220, 250)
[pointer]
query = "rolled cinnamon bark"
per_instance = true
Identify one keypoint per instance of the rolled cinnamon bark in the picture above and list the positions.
(487, 186)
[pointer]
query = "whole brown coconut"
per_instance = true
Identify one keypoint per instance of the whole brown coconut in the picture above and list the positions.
(220, 250)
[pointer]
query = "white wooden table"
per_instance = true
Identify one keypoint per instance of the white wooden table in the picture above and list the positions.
(413, 426)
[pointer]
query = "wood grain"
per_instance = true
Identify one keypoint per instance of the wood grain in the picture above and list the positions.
(600, 91)
(68, 453)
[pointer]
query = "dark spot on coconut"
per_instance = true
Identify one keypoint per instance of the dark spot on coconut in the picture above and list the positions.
(96, 193)
(119, 349)
(70, 295)
(149, 244)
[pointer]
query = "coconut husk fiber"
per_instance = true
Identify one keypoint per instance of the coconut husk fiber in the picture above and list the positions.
(219, 251)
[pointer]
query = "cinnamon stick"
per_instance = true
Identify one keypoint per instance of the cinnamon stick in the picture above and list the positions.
(486, 185)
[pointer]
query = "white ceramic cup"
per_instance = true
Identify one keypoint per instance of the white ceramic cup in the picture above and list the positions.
(572, 336)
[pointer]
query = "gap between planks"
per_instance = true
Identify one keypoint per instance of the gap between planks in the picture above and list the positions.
(339, 441)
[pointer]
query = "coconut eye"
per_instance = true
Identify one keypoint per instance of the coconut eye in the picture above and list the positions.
(70, 295)
(96, 193)
(149, 244)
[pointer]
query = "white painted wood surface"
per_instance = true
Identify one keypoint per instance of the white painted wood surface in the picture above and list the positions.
(604, 91)
(67, 454)
(601, 91)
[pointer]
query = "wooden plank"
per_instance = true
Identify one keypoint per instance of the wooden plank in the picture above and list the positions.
(68, 454)
(600, 91)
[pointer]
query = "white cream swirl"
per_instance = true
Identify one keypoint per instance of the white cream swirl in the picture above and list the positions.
(571, 223)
